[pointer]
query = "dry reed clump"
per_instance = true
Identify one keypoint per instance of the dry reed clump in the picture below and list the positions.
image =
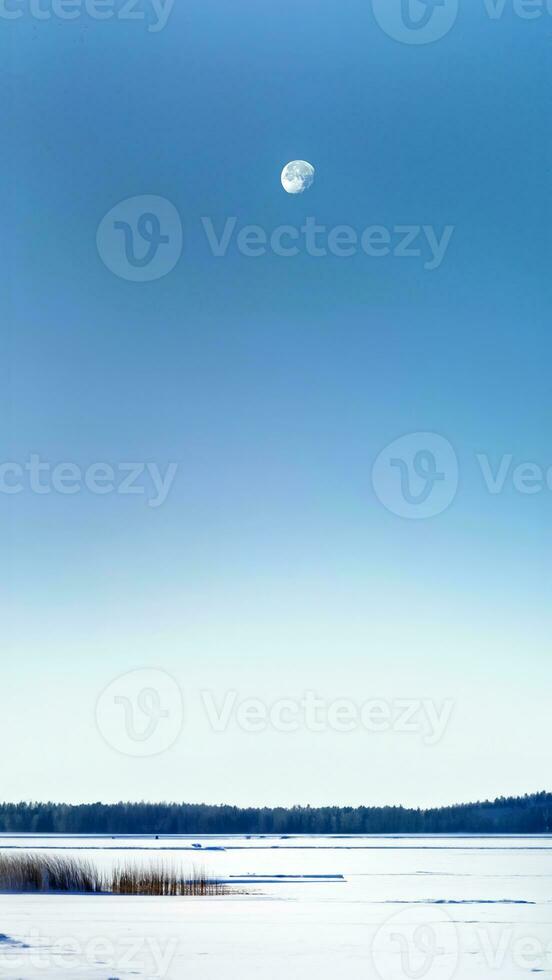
(160, 879)
(48, 873)
(54, 873)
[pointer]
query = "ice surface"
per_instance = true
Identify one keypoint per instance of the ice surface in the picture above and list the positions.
(362, 907)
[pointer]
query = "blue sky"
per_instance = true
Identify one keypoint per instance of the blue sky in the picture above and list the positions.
(274, 383)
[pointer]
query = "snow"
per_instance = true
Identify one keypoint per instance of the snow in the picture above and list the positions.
(358, 907)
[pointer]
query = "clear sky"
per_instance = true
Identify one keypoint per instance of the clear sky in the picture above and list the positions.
(273, 567)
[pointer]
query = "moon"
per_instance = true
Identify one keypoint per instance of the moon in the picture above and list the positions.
(297, 176)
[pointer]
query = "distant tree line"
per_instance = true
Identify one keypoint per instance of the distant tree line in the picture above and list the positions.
(531, 814)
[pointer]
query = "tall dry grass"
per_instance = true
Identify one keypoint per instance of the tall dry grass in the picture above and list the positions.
(48, 873)
(54, 873)
(162, 879)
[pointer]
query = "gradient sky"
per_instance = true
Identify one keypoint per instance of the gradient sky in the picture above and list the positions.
(274, 383)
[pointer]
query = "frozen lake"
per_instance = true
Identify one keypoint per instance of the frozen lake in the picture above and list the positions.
(324, 907)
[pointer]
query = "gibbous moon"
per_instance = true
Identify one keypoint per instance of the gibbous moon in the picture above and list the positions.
(297, 176)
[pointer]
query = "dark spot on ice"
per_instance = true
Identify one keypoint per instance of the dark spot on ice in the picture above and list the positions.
(463, 901)
(8, 941)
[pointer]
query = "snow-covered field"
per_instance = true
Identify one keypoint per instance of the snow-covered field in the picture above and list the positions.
(314, 907)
